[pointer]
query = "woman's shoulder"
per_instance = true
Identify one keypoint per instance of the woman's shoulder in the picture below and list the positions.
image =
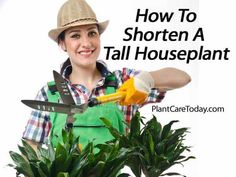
(42, 93)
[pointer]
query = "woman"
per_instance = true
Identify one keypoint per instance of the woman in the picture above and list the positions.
(78, 34)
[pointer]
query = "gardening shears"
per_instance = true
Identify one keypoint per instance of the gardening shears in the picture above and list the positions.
(69, 106)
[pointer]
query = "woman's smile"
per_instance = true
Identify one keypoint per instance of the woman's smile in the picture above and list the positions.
(86, 53)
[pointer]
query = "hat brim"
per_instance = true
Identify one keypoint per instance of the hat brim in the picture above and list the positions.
(54, 33)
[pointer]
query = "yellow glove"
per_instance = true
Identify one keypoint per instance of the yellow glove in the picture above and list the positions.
(137, 88)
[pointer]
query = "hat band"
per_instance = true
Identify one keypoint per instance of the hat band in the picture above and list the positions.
(79, 20)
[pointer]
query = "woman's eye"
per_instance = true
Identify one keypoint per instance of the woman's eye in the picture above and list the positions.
(76, 36)
(92, 33)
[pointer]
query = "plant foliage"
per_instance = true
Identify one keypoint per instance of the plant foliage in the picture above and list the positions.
(67, 160)
(150, 150)
(158, 147)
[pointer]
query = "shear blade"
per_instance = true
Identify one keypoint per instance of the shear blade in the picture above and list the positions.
(55, 107)
(63, 89)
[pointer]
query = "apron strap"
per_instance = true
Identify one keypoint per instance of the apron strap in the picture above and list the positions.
(110, 84)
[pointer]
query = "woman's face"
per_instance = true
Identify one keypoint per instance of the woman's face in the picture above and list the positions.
(82, 44)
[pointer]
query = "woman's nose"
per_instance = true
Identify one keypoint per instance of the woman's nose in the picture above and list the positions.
(85, 41)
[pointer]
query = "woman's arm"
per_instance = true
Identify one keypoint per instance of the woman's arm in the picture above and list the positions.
(169, 78)
(138, 87)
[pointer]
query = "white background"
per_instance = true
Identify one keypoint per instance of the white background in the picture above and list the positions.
(28, 56)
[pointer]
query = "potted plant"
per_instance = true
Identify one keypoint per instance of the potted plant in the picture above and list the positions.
(67, 159)
(150, 150)
(158, 148)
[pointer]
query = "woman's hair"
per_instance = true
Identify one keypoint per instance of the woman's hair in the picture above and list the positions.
(61, 37)
(65, 64)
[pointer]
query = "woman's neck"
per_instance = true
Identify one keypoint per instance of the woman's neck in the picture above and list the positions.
(87, 76)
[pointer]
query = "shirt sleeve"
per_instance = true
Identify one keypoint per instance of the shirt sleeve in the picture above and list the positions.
(38, 125)
(125, 74)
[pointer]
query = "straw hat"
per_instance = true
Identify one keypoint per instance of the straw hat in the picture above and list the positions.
(75, 13)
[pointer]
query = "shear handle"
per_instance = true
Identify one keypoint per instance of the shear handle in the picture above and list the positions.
(114, 97)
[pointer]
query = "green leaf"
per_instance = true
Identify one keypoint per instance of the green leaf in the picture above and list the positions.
(41, 173)
(152, 171)
(59, 164)
(174, 138)
(64, 136)
(34, 168)
(74, 145)
(11, 165)
(51, 152)
(23, 151)
(113, 166)
(63, 174)
(190, 157)
(123, 175)
(106, 122)
(115, 133)
(29, 151)
(61, 151)
(135, 166)
(172, 174)
(135, 126)
(44, 156)
(151, 144)
(154, 127)
(43, 169)
(166, 129)
(97, 169)
(141, 120)
(22, 166)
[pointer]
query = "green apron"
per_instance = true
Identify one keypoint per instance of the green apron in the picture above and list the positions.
(87, 125)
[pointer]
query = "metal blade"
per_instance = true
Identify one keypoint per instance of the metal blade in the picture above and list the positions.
(63, 89)
(55, 107)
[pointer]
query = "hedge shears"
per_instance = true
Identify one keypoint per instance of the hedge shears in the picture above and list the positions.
(69, 106)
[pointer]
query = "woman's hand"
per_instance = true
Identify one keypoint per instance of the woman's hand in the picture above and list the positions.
(137, 88)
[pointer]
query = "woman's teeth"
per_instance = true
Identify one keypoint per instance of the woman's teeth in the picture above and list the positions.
(85, 52)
